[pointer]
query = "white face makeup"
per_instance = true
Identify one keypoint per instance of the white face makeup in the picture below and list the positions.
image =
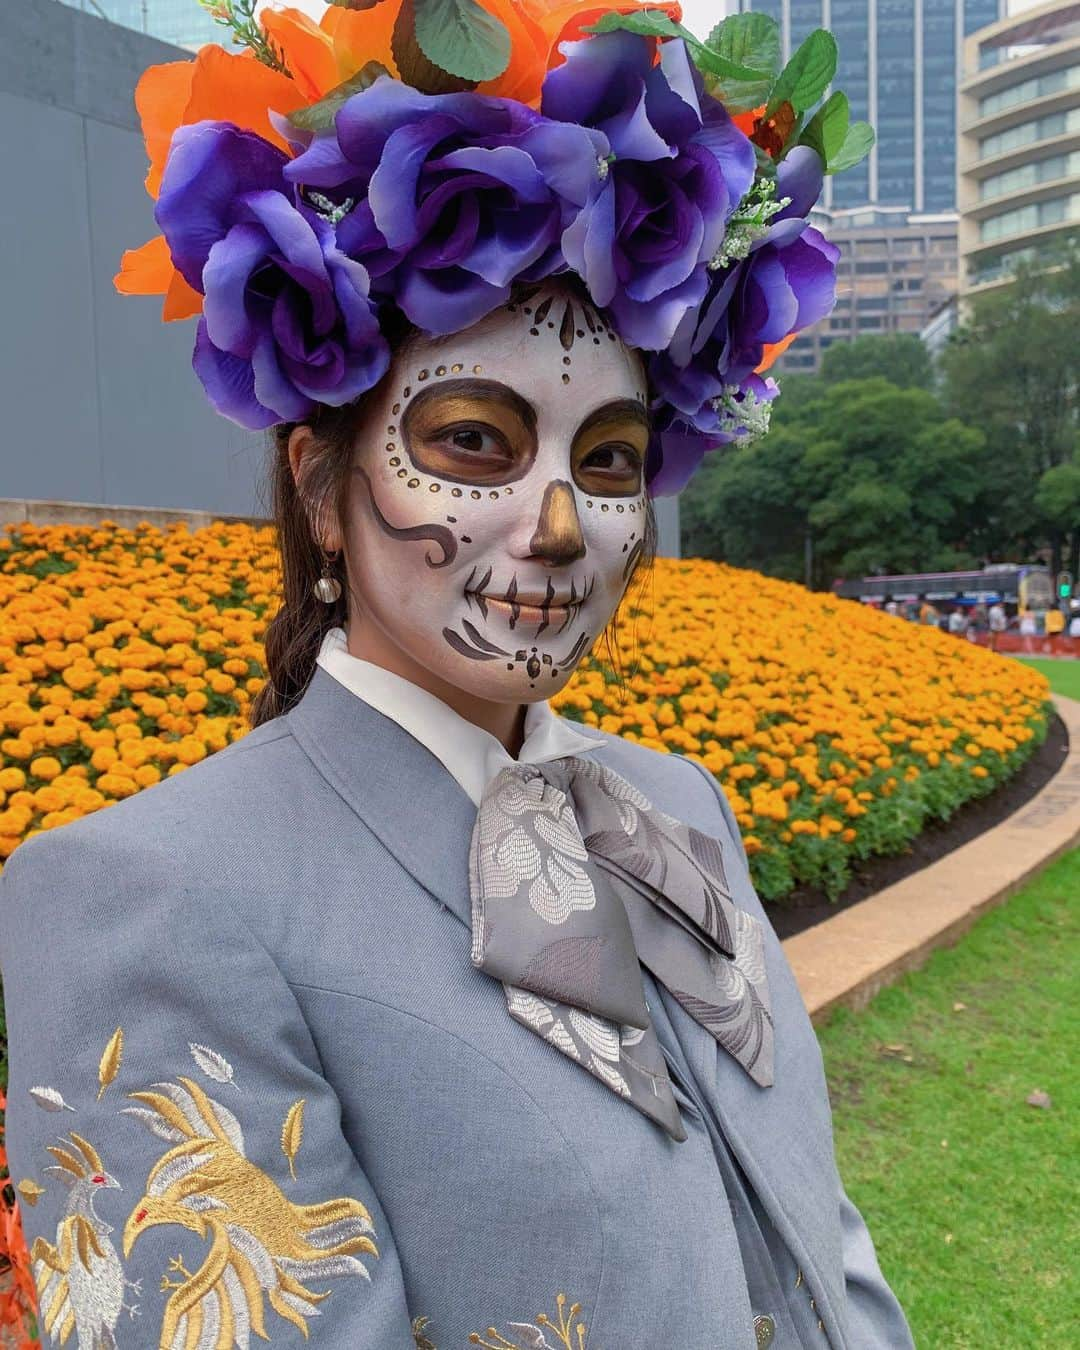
(497, 500)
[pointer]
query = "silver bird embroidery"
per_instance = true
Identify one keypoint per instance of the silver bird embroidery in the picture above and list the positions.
(80, 1281)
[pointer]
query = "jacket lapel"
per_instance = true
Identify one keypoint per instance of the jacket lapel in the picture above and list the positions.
(399, 789)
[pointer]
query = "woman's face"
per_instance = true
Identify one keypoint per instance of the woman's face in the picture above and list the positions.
(497, 500)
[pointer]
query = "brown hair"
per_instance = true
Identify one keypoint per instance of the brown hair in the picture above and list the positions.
(295, 633)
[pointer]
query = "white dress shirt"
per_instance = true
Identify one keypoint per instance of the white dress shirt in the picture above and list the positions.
(469, 753)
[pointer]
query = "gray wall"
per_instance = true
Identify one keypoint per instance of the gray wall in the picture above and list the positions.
(100, 403)
(99, 400)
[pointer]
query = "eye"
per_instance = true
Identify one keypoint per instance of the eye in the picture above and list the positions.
(616, 457)
(611, 469)
(473, 440)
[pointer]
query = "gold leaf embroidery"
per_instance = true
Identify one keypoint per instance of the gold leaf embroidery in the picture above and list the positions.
(30, 1191)
(418, 1327)
(570, 1331)
(262, 1246)
(292, 1134)
(110, 1060)
(88, 1151)
(67, 1160)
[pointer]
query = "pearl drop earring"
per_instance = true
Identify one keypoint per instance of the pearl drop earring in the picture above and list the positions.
(327, 588)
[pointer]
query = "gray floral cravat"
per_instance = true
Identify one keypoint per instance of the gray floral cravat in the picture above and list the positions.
(576, 878)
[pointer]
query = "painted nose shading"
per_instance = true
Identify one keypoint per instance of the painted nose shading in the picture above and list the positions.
(558, 531)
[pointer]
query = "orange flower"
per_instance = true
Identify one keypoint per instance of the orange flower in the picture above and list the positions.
(773, 350)
(745, 121)
(308, 50)
(148, 270)
(217, 84)
(542, 26)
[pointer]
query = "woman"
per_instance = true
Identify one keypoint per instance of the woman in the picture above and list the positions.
(422, 1016)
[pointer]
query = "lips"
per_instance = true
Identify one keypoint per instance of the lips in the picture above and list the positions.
(531, 612)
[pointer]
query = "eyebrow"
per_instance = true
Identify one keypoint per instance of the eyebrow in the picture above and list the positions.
(619, 410)
(494, 391)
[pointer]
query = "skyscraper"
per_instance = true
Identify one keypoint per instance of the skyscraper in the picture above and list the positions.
(900, 67)
(181, 22)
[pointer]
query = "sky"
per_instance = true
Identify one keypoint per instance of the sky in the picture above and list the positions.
(700, 16)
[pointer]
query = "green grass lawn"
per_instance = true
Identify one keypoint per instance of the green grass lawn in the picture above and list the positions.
(1064, 676)
(970, 1193)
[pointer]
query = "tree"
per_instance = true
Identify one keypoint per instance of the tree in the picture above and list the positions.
(901, 358)
(1013, 371)
(1057, 501)
(877, 477)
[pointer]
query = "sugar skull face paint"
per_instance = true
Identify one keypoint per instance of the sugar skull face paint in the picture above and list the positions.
(497, 498)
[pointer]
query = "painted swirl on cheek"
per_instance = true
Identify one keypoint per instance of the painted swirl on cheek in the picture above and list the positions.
(438, 533)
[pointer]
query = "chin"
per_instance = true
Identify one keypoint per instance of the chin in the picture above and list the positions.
(506, 686)
(508, 665)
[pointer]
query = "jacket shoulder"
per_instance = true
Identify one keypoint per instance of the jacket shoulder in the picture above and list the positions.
(171, 828)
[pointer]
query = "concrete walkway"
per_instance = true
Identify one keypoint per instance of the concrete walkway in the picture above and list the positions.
(848, 958)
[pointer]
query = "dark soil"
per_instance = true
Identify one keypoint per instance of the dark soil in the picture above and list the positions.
(804, 907)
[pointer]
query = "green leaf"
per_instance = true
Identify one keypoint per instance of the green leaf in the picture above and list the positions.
(655, 23)
(766, 165)
(751, 40)
(807, 75)
(857, 145)
(828, 128)
(462, 39)
(320, 116)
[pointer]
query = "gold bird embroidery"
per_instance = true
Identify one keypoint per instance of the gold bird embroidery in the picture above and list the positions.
(260, 1242)
(80, 1282)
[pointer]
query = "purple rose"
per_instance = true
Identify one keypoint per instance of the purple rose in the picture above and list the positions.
(287, 319)
(736, 412)
(787, 282)
(707, 393)
(672, 166)
(457, 195)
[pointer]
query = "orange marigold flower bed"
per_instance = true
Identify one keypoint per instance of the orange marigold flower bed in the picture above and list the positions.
(127, 655)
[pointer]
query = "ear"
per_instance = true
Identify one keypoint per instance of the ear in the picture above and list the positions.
(302, 443)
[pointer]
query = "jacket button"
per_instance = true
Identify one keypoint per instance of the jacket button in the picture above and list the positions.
(764, 1330)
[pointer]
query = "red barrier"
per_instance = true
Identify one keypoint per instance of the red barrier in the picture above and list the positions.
(1057, 645)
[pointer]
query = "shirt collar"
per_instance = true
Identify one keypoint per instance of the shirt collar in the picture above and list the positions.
(469, 754)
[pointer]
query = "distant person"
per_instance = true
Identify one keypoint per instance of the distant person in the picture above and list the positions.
(998, 621)
(891, 607)
(1055, 622)
(1029, 626)
(1074, 622)
(957, 622)
(928, 614)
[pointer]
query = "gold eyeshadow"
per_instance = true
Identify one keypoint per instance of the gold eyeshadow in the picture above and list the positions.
(441, 414)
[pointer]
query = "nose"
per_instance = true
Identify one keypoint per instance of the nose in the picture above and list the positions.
(558, 535)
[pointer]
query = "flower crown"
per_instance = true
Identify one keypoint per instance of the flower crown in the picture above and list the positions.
(429, 154)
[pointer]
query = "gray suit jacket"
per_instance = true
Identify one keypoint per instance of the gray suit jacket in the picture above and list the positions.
(263, 1091)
